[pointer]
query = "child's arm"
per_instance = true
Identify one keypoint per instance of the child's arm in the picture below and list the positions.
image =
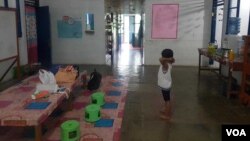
(164, 64)
(169, 60)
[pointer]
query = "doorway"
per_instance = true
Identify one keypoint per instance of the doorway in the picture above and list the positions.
(219, 25)
(129, 47)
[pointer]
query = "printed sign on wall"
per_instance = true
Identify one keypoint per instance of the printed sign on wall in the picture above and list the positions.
(69, 28)
(164, 21)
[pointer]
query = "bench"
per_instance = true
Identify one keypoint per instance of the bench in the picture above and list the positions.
(15, 100)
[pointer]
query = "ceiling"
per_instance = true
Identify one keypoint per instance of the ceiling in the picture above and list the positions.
(124, 6)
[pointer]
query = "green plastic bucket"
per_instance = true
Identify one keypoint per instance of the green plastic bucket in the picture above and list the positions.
(98, 98)
(92, 113)
(70, 130)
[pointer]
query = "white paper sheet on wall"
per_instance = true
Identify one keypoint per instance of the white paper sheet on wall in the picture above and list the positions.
(8, 34)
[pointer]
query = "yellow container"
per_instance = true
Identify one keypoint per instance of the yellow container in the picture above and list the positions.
(231, 55)
(211, 50)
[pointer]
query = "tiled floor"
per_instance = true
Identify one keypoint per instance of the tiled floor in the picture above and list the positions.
(199, 105)
(128, 55)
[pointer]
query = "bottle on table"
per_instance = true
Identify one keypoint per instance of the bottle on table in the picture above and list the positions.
(231, 55)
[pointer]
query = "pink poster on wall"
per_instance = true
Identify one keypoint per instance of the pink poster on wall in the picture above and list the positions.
(164, 21)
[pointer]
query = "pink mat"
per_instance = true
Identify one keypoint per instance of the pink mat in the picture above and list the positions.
(88, 131)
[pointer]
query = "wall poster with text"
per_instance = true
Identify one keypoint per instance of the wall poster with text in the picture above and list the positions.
(164, 21)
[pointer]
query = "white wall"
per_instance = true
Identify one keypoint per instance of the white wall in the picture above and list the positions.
(90, 49)
(193, 32)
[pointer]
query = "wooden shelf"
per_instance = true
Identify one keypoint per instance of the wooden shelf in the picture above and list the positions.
(248, 82)
(109, 39)
(109, 26)
(91, 31)
(245, 84)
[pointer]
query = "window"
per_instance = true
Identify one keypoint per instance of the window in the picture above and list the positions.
(1, 3)
(233, 19)
(13, 4)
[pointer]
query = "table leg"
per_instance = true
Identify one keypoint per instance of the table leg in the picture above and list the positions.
(219, 68)
(229, 82)
(199, 64)
(38, 133)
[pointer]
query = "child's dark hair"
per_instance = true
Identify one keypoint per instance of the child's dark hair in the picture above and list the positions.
(167, 53)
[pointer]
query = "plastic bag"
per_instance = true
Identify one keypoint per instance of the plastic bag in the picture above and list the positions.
(46, 77)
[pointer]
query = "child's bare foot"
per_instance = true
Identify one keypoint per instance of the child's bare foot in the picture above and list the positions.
(164, 117)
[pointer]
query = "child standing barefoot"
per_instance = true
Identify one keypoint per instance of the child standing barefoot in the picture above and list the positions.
(165, 81)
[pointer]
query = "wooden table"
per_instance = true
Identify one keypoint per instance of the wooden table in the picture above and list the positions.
(14, 100)
(234, 65)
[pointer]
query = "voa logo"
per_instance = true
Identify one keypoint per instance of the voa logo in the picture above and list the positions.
(236, 132)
